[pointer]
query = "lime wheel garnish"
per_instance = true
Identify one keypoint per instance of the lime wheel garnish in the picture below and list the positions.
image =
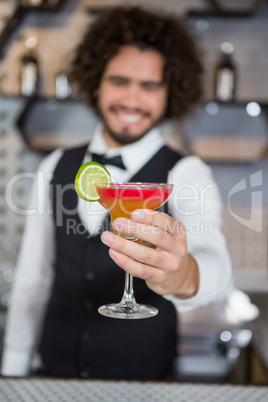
(90, 174)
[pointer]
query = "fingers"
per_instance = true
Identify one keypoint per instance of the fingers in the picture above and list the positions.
(153, 232)
(171, 278)
(160, 219)
(159, 265)
(136, 268)
(146, 256)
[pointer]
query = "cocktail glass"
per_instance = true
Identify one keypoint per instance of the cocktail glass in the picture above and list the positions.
(120, 199)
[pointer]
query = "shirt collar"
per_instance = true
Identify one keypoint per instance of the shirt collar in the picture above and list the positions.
(134, 155)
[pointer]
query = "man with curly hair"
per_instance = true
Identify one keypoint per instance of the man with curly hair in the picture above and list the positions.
(134, 68)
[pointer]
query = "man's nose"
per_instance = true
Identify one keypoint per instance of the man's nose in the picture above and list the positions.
(133, 94)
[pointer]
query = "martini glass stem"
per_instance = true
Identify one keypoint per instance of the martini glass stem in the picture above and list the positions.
(128, 299)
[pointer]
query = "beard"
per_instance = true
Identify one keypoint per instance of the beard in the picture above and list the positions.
(124, 137)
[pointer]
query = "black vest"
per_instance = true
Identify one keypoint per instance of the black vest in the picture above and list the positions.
(76, 339)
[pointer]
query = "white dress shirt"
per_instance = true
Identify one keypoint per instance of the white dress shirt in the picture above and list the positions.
(195, 201)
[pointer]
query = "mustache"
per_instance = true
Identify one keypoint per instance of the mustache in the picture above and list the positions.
(127, 109)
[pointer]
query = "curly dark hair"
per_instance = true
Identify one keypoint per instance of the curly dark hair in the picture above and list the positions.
(122, 26)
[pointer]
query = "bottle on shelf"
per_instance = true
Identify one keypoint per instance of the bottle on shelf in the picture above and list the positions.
(63, 89)
(225, 74)
(29, 68)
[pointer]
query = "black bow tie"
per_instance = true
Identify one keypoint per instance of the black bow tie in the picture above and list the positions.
(103, 160)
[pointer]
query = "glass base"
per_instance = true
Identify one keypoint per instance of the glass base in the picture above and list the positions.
(128, 311)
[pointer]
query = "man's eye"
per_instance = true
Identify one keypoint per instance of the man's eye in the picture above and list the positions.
(151, 86)
(118, 82)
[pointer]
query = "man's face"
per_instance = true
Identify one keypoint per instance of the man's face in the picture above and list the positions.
(132, 95)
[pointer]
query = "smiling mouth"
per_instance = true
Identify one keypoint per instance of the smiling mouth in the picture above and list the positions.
(128, 118)
(129, 115)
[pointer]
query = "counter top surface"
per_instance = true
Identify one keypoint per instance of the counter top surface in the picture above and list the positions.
(55, 390)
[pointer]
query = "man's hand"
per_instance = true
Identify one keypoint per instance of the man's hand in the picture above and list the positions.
(162, 259)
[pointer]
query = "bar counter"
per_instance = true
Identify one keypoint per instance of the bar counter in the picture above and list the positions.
(62, 390)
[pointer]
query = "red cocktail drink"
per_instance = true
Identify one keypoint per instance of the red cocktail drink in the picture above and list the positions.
(122, 199)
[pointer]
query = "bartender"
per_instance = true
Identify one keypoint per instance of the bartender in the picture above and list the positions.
(135, 69)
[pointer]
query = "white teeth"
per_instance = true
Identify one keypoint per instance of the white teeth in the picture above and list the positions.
(130, 118)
